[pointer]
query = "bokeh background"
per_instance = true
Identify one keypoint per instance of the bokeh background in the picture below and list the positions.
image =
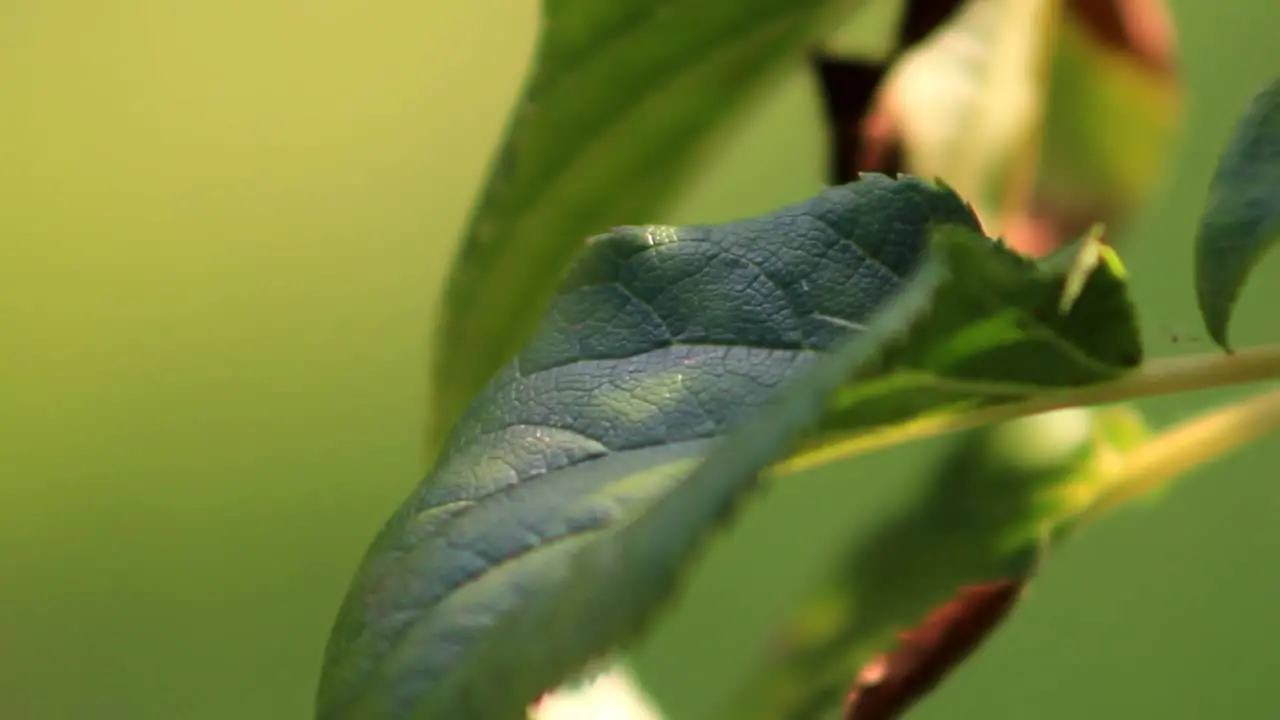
(223, 228)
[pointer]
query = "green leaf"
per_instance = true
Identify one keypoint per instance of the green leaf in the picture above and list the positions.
(989, 510)
(623, 97)
(1241, 220)
(674, 367)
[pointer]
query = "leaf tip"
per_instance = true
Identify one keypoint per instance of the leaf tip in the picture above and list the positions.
(1090, 252)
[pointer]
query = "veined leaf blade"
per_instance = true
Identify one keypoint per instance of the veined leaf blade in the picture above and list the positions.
(622, 98)
(674, 368)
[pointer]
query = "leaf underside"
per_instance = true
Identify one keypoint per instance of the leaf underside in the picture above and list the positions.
(672, 369)
(894, 681)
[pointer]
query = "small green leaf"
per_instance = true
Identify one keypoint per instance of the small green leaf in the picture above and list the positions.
(989, 510)
(674, 367)
(1241, 220)
(623, 96)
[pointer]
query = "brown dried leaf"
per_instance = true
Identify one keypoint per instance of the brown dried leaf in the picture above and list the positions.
(894, 681)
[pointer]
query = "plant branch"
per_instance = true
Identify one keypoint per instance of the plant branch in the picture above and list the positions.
(1186, 446)
(1158, 377)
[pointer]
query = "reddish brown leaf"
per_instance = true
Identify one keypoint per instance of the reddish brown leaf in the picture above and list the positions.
(892, 682)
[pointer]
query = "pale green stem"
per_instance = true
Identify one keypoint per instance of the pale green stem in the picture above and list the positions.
(1186, 446)
(1165, 376)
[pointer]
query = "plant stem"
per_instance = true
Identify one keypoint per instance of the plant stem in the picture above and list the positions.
(1167, 376)
(1186, 446)
(1158, 377)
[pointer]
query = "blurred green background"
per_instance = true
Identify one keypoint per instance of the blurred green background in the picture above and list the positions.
(223, 227)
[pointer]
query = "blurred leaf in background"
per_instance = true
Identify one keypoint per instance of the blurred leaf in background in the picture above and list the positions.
(990, 508)
(1049, 115)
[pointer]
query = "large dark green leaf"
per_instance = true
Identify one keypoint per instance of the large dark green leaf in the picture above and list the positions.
(1242, 219)
(674, 367)
(622, 97)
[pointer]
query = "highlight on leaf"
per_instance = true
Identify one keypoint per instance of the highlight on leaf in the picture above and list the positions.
(893, 681)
